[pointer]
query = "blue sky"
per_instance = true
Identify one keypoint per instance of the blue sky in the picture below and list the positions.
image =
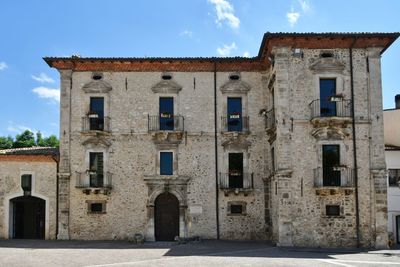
(32, 29)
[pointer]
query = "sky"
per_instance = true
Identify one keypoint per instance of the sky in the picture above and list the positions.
(30, 30)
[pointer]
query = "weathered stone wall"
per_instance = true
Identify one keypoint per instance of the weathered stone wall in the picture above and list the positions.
(131, 155)
(44, 175)
(300, 207)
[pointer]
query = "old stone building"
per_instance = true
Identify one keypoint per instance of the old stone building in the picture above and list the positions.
(28, 193)
(286, 146)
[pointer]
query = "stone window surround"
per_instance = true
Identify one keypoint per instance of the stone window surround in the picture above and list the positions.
(224, 105)
(33, 180)
(87, 161)
(342, 149)
(241, 203)
(333, 204)
(246, 156)
(106, 103)
(156, 107)
(339, 83)
(174, 160)
(102, 202)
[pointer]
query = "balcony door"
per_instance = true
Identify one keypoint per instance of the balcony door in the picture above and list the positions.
(234, 114)
(96, 173)
(327, 88)
(96, 114)
(235, 170)
(330, 161)
(166, 113)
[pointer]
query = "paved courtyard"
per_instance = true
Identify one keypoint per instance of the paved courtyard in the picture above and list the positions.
(205, 253)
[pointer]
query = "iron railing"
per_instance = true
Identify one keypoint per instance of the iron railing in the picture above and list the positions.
(334, 176)
(91, 179)
(270, 119)
(235, 123)
(166, 123)
(95, 124)
(236, 180)
(327, 108)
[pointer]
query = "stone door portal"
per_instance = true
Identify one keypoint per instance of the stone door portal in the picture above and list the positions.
(166, 215)
(28, 217)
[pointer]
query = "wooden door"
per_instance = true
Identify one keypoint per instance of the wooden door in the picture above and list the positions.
(166, 213)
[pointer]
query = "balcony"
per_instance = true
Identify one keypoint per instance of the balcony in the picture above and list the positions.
(93, 123)
(235, 123)
(333, 177)
(166, 128)
(335, 111)
(236, 182)
(94, 182)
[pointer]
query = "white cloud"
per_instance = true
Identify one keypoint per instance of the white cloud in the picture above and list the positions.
(186, 33)
(44, 92)
(292, 17)
(16, 128)
(305, 6)
(246, 54)
(43, 78)
(225, 12)
(226, 50)
(3, 65)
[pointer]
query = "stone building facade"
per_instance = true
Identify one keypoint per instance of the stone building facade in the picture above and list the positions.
(28, 193)
(230, 148)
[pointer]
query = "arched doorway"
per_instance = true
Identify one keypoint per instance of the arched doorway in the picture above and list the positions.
(166, 213)
(28, 217)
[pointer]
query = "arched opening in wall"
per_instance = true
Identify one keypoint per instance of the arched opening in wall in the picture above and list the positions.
(27, 218)
(166, 213)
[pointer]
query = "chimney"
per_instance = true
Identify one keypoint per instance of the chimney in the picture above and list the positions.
(397, 101)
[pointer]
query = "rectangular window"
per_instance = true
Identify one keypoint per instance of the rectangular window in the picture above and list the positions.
(96, 113)
(327, 88)
(332, 210)
(96, 206)
(394, 177)
(96, 169)
(236, 209)
(166, 113)
(330, 164)
(234, 120)
(166, 163)
(235, 170)
(26, 183)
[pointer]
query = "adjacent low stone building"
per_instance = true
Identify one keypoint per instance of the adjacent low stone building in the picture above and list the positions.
(286, 146)
(28, 193)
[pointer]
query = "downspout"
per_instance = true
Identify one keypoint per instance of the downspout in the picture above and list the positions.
(354, 144)
(56, 160)
(216, 149)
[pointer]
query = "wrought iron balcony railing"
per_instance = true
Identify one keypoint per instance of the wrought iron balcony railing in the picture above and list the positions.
(335, 107)
(92, 179)
(236, 180)
(166, 122)
(235, 123)
(270, 119)
(95, 124)
(334, 176)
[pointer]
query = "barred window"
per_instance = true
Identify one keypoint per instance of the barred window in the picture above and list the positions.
(394, 177)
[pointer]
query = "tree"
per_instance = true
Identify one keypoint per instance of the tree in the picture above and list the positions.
(39, 139)
(51, 141)
(26, 139)
(6, 142)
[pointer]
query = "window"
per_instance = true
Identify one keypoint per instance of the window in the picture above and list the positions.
(166, 163)
(166, 113)
(327, 88)
(26, 183)
(394, 177)
(234, 114)
(235, 170)
(330, 165)
(236, 208)
(332, 210)
(96, 113)
(273, 160)
(96, 172)
(96, 206)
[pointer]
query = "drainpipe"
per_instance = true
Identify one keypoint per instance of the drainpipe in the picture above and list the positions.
(354, 144)
(56, 160)
(216, 149)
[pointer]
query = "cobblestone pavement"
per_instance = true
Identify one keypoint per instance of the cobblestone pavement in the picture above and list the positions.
(205, 253)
